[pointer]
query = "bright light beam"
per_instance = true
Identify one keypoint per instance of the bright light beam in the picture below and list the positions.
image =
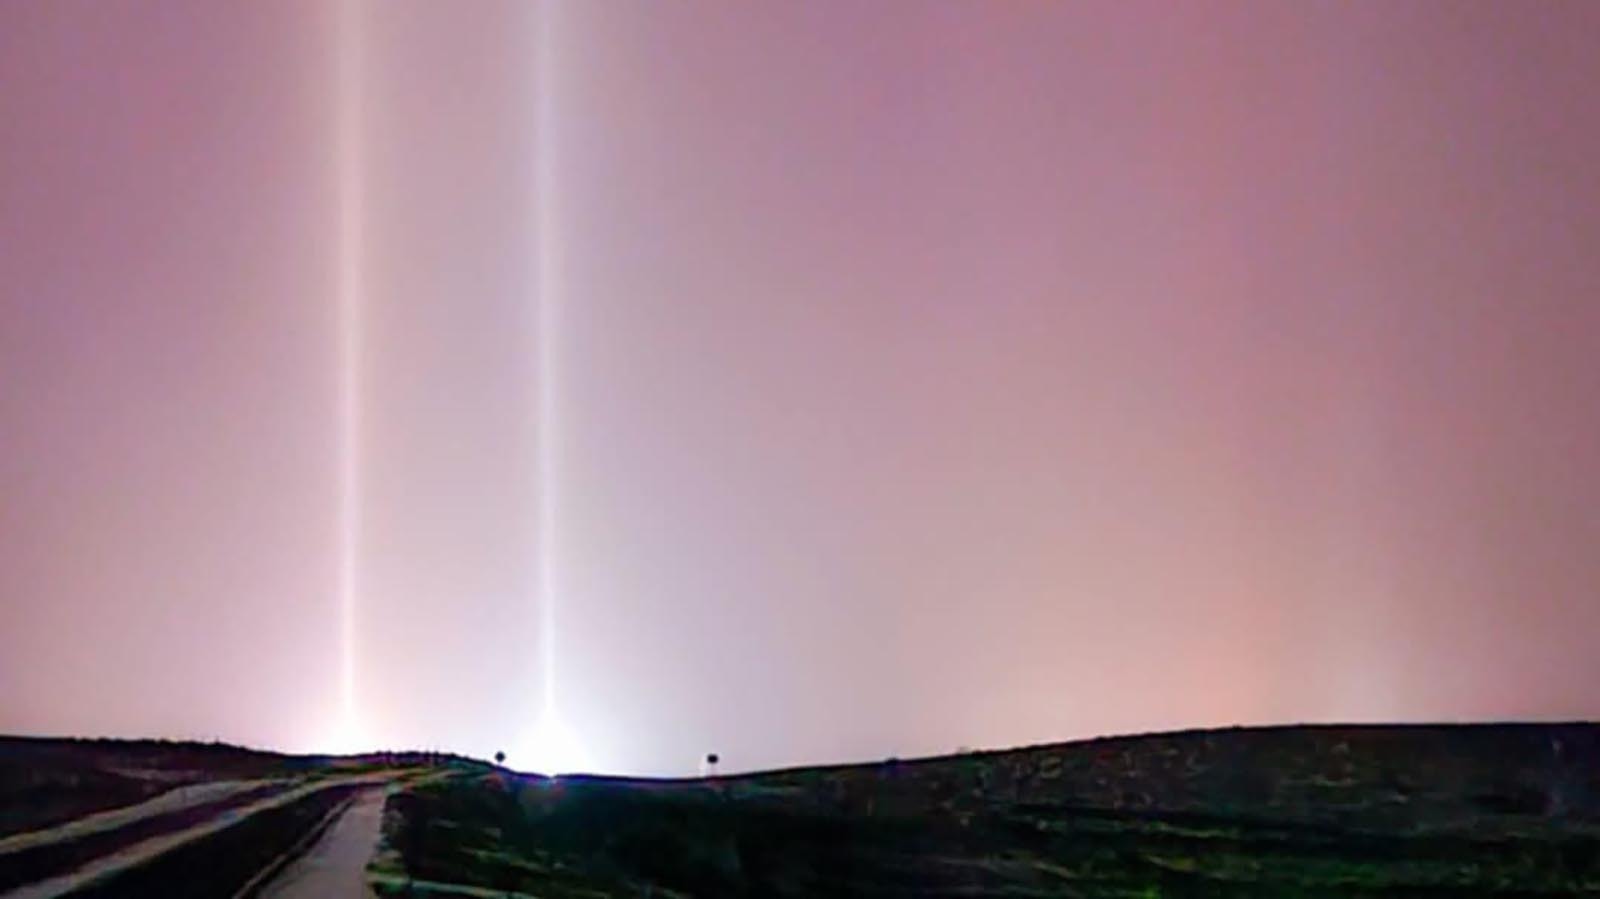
(547, 366)
(352, 288)
(551, 747)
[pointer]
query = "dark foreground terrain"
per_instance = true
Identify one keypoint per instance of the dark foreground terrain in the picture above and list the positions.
(115, 818)
(1337, 811)
(1502, 810)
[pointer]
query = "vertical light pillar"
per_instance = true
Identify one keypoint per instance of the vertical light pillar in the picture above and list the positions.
(546, 281)
(550, 747)
(351, 290)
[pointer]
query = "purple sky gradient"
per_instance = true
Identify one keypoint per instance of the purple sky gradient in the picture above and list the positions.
(925, 374)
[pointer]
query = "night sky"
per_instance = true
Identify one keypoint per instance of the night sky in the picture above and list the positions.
(803, 381)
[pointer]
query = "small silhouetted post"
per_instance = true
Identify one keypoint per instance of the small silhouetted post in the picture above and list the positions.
(499, 758)
(711, 764)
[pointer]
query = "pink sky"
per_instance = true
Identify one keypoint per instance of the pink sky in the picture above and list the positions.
(923, 374)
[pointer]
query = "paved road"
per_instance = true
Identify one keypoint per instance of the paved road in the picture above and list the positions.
(140, 853)
(335, 868)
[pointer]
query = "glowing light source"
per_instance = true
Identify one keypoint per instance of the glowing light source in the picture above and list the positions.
(551, 748)
(346, 738)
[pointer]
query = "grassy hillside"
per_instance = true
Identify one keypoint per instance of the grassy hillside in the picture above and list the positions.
(1309, 811)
